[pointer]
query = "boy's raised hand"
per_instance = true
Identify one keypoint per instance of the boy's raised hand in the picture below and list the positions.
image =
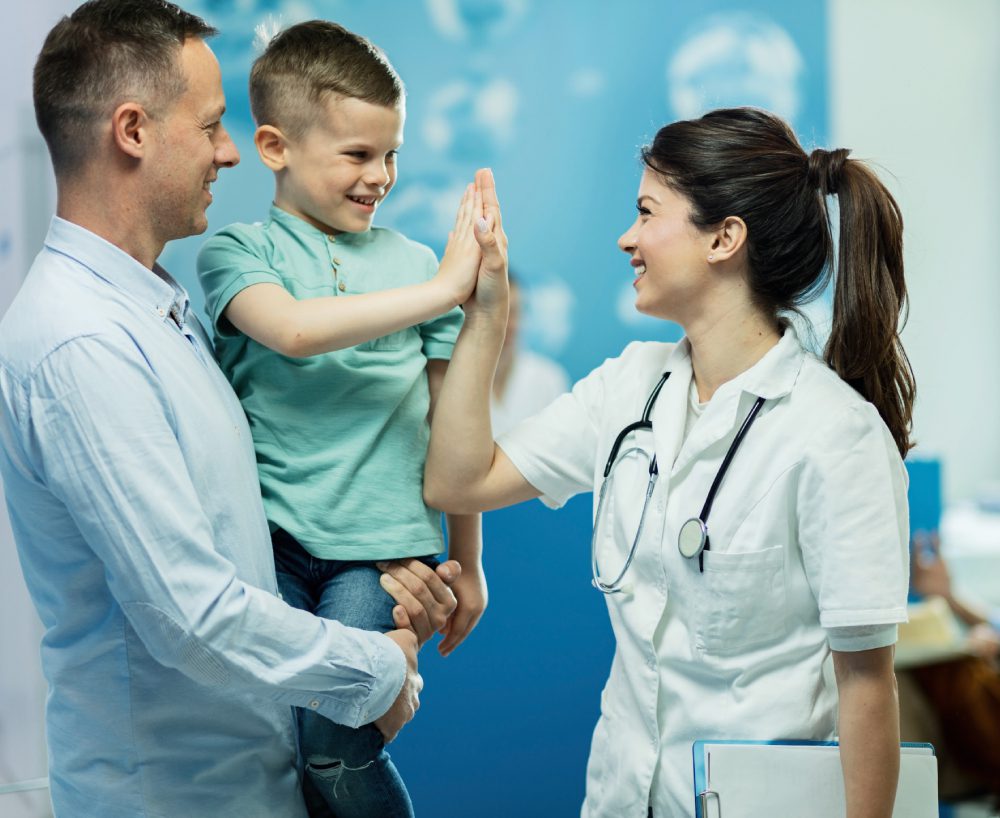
(460, 265)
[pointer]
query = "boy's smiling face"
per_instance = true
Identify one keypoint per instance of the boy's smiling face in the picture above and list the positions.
(335, 175)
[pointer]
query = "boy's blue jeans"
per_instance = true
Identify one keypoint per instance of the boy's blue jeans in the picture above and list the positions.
(348, 773)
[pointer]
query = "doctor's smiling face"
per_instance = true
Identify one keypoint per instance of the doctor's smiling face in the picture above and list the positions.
(669, 252)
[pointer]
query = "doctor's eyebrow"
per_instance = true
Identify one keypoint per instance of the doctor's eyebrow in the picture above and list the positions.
(639, 201)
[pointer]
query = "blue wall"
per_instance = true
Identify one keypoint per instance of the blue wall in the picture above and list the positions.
(557, 97)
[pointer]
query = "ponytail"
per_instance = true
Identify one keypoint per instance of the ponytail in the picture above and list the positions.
(864, 347)
(746, 162)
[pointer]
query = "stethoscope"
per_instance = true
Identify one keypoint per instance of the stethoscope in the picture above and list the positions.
(692, 539)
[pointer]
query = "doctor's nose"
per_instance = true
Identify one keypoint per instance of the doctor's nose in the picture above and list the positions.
(626, 241)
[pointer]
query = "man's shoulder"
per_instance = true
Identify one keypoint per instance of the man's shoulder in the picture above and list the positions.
(58, 303)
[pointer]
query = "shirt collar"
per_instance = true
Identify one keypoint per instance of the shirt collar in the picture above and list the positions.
(303, 228)
(773, 376)
(155, 289)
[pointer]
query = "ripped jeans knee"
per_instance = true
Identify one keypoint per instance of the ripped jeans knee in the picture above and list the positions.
(348, 773)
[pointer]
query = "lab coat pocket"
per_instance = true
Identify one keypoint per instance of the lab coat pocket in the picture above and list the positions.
(742, 604)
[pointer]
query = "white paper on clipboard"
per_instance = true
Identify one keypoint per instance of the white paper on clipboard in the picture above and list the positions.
(749, 779)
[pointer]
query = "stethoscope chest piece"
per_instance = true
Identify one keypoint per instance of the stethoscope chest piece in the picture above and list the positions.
(692, 538)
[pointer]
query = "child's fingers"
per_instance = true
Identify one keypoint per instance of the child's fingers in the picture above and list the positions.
(459, 627)
(464, 216)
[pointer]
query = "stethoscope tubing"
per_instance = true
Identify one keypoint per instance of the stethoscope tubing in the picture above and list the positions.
(645, 422)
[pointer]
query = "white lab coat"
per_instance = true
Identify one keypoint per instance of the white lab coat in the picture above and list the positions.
(809, 530)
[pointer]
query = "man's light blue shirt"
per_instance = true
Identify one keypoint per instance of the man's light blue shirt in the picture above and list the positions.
(131, 484)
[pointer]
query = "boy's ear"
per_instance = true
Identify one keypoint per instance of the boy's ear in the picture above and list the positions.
(272, 145)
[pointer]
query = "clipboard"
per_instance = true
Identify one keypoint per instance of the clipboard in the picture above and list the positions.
(747, 779)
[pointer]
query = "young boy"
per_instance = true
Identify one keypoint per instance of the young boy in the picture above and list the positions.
(336, 335)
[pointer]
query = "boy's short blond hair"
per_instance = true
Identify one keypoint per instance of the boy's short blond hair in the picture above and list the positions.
(305, 63)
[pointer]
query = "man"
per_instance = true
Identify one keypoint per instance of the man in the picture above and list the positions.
(129, 471)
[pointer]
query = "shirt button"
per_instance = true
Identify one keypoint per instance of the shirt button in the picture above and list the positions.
(161, 312)
(332, 238)
(341, 286)
(336, 260)
(314, 704)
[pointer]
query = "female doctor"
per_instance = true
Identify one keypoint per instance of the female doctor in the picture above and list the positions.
(750, 509)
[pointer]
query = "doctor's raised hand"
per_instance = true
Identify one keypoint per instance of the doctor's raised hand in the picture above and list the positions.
(492, 290)
(750, 496)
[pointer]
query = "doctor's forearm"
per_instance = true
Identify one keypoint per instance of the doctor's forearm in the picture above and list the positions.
(869, 731)
(461, 449)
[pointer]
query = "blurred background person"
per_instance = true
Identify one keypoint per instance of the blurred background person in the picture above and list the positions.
(525, 381)
(963, 692)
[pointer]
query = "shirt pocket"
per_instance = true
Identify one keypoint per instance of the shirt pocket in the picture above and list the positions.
(743, 602)
(393, 342)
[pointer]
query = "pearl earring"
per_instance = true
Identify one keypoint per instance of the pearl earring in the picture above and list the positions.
(711, 257)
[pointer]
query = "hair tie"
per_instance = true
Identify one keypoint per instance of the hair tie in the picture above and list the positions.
(826, 169)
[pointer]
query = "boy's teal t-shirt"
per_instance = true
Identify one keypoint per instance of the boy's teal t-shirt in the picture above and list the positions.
(341, 437)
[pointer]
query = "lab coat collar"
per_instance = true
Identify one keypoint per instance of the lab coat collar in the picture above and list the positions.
(771, 378)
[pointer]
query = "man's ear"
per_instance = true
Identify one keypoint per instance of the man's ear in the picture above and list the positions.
(728, 238)
(272, 146)
(130, 129)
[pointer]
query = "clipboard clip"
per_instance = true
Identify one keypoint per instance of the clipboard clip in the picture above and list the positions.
(708, 795)
(705, 797)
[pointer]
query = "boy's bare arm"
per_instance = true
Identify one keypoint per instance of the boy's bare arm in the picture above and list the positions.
(272, 316)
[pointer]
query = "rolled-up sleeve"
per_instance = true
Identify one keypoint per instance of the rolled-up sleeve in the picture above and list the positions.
(555, 450)
(110, 452)
(228, 263)
(854, 522)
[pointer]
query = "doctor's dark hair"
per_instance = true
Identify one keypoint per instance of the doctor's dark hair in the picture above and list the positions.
(746, 162)
(103, 54)
(306, 63)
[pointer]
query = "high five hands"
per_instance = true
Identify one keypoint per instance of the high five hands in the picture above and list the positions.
(491, 291)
